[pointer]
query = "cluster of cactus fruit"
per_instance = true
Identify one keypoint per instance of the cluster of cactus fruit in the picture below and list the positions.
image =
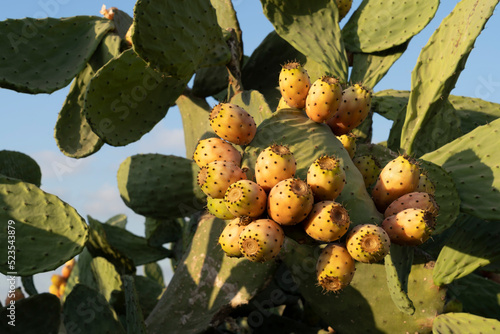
(286, 197)
(255, 209)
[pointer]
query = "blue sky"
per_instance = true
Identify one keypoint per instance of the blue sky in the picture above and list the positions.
(90, 184)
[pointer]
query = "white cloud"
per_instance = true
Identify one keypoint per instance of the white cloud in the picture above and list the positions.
(105, 202)
(164, 141)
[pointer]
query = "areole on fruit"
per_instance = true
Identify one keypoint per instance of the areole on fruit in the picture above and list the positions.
(368, 243)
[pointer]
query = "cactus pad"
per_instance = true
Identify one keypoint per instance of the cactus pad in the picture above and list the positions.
(34, 44)
(451, 323)
(306, 33)
(177, 39)
(73, 134)
(397, 268)
(136, 99)
(49, 231)
(390, 102)
(20, 166)
(376, 25)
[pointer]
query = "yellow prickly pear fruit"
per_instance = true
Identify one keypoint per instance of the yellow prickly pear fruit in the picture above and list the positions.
(233, 123)
(57, 280)
(54, 290)
(399, 177)
(294, 84)
(261, 240)
(327, 222)
(326, 177)
(274, 164)
(212, 149)
(335, 268)
(425, 184)
(353, 109)
(323, 99)
(410, 227)
(349, 143)
(230, 236)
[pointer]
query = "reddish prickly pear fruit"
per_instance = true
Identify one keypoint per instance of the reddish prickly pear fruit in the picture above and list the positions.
(335, 268)
(233, 123)
(274, 164)
(290, 201)
(294, 84)
(415, 200)
(212, 149)
(368, 243)
(217, 207)
(353, 109)
(323, 99)
(326, 178)
(349, 143)
(230, 236)
(410, 227)
(344, 6)
(215, 177)
(425, 185)
(368, 167)
(327, 222)
(397, 178)
(245, 198)
(261, 240)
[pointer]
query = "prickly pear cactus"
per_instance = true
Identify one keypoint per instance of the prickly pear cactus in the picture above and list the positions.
(372, 253)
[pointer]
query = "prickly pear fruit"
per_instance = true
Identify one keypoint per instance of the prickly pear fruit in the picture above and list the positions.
(233, 123)
(274, 164)
(354, 108)
(349, 143)
(57, 280)
(62, 287)
(368, 243)
(245, 198)
(323, 99)
(397, 178)
(415, 200)
(335, 268)
(327, 222)
(344, 6)
(368, 167)
(294, 84)
(261, 240)
(290, 201)
(217, 207)
(425, 184)
(230, 236)
(215, 177)
(54, 290)
(326, 177)
(410, 227)
(212, 149)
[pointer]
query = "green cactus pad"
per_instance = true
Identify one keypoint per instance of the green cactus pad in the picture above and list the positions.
(474, 112)
(365, 306)
(261, 71)
(31, 45)
(226, 16)
(98, 245)
(305, 139)
(136, 98)
(455, 37)
(122, 22)
(120, 220)
(254, 103)
(149, 292)
(306, 33)
(85, 275)
(397, 268)
(107, 278)
(210, 81)
(478, 295)
(29, 285)
(453, 323)
(204, 287)
(381, 153)
(73, 134)
(446, 195)
(162, 231)
(160, 186)
(48, 232)
(177, 39)
(95, 316)
(134, 247)
(390, 102)
(370, 68)
(20, 166)
(153, 272)
(377, 25)
(364, 131)
(135, 319)
(195, 114)
(472, 162)
(473, 244)
(37, 314)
